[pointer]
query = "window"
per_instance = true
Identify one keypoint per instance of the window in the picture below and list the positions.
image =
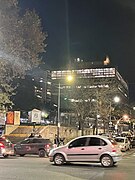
(94, 141)
(119, 140)
(102, 142)
(112, 141)
(36, 141)
(78, 143)
(25, 141)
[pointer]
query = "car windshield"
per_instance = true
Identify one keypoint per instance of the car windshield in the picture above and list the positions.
(26, 141)
(119, 140)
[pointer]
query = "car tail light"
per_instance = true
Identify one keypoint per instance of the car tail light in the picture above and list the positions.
(2, 145)
(3, 137)
(113, 148)
(47, 146)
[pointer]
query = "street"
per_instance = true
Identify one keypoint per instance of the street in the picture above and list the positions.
(35, 168)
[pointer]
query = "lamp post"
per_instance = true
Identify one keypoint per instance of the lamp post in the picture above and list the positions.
(116, 100)
(58, 120)
(69, 79)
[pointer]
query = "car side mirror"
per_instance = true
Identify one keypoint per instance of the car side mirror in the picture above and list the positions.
(70, 146)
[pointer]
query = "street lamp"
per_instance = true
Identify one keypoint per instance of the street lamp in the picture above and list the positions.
(58, 122)
(69, 79)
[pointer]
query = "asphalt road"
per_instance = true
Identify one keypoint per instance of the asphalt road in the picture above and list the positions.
(35, 168)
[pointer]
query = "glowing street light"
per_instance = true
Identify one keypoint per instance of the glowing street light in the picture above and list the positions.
(69, 78)
(134, 108)
(116, 99)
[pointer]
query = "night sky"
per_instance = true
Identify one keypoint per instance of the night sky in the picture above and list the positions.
(89, 29)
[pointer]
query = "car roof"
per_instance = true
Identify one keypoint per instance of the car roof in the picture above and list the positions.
(36, 138)
(99, 136)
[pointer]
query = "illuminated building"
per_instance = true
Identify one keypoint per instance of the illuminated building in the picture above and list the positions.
(98, 75)
(89, 76)
(42, 85)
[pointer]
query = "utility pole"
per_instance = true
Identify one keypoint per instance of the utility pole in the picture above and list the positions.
(58, 120)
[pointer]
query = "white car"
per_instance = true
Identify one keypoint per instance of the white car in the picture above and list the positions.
(123, 143)
(90, 148)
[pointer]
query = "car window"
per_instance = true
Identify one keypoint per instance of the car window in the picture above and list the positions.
(37, 141)
(119, 140)
(94, 141)
(26, 141)
(45, 141)
(102, 142)
(78, 143)
(112, 141)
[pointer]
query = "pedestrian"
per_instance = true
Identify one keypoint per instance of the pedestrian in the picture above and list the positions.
(56, 141)
(62, 141)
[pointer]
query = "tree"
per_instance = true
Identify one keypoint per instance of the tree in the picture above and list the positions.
(92, 97)
(22, 41)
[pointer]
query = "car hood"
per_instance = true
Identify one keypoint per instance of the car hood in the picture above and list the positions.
(59, 148)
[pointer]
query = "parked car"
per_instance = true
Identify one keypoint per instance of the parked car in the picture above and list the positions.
(6, 147)
(90, 148)
(123, 142)
(126, 134)
(35, 145)
(132, 143)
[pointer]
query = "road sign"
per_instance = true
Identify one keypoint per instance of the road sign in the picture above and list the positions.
(16, 117)
(36, 116)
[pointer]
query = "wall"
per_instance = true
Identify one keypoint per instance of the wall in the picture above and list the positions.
(10, 128)
(46, 131)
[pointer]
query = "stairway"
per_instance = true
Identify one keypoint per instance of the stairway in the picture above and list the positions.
(23, 132)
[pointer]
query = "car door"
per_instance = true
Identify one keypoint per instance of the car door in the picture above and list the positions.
(25, 146)
(95, 147)
(76, 150)
(36, 145)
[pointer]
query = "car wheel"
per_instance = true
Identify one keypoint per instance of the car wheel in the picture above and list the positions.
(42, 153)
(5, 155)
(106, 161)
(59, 159)
(22, 155)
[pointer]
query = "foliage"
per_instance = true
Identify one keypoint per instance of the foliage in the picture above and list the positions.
(22, 42)
(92, 97)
